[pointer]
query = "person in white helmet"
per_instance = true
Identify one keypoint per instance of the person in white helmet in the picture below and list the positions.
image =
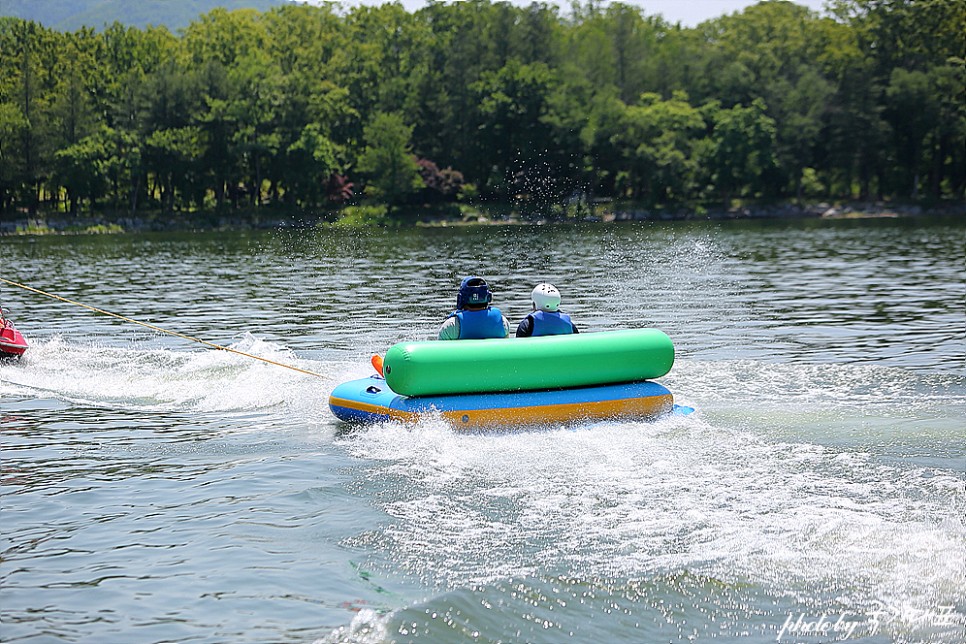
(546, 318)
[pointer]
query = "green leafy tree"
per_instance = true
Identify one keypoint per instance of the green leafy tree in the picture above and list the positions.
(602, 137)
(632, 40)
(29, 63)
(805, 111)
(913, 112)
(515, 137)
(176, 152)
(947, 142)
(135, 61)
(312, 161)
(121, 166)
(219, 125)
(915, 36)
(660, 145)
(225, 36)
(458, 54)
(773, 51)
(12, 126)
(743, 153)
(256, 99)
(536, 36)
(388, 159)
(79, 168)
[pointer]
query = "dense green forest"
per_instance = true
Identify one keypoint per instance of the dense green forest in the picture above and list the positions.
(305, 108)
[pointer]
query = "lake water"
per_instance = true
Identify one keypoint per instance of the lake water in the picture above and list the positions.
(154, 490)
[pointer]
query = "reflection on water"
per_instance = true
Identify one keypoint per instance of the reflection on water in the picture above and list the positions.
(155, 490)
(866, 295)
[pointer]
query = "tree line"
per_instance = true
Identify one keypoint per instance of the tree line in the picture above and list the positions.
(307, 108)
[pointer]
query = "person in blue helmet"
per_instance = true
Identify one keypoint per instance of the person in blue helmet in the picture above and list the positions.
(546, 318)
(474, 318)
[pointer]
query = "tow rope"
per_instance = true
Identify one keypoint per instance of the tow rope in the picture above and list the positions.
(159, 329)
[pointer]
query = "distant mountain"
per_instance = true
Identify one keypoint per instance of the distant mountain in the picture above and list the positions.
(70, 15)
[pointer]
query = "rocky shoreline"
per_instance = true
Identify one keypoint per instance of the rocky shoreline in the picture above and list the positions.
(857, 210)
(107, 224)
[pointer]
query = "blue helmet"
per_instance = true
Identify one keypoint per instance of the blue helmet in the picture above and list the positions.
(474, 291)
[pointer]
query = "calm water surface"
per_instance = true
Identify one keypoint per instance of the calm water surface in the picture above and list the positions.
(154, 490)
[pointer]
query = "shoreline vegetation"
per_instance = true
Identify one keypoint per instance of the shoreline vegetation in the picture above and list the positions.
(429, 217)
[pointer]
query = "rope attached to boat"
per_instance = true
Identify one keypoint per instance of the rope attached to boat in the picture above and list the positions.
(159, 329)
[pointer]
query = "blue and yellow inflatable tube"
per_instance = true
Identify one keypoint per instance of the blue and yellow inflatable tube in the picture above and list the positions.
(370, 400)
(552, 379)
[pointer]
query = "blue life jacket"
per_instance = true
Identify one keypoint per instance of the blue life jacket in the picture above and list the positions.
(479, 325)
(547, 323)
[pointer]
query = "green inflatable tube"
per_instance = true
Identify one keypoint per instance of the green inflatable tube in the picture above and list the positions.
(527, 364)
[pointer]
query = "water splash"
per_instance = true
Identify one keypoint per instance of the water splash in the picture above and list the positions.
(162, 379)
(708, 494)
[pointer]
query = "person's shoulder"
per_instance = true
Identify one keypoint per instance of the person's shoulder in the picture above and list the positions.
(525, 328)
(450, 328)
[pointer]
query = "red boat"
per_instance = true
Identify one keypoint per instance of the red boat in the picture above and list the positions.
(12, 343)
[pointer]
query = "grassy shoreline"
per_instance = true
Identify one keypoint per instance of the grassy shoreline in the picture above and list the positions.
(57, 223)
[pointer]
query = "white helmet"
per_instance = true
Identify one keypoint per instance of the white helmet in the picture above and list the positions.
(545, 297)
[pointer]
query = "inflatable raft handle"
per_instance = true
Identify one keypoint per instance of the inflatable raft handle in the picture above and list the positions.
(377, 363)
